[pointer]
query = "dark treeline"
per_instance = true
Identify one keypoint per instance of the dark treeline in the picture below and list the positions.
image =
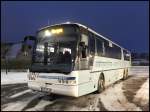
(136, 55)
(16, 59)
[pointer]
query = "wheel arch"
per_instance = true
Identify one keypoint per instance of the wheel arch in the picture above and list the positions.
(102, 75)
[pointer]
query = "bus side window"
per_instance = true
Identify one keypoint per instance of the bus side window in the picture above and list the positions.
(83, 52)
(84, 46)
(91, 44)
(91, 50)
(107, 51)
(112, 51)
(99, 45)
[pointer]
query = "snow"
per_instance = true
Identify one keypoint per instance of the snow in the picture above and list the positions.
(142, 95)
(13, 77)
(139, 69)
(40, 106)
(12, 106)
(114, 100)
(19, 105)
(20, 93)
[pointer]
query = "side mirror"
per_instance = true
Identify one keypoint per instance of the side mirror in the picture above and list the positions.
(24, 42)
(29, 38)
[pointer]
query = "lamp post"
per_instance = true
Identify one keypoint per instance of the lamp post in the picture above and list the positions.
(6, 63)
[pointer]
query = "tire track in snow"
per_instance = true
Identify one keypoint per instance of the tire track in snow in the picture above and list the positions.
(113, 99)
(19, 105)
(100, 105)
(34, 102)
(9, 90)
(142, 96)
(20, 93)
(40, 106)
(131, 87)
(83, 103)
(12, 89)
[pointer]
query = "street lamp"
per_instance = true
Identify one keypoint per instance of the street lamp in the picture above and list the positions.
(5, 56)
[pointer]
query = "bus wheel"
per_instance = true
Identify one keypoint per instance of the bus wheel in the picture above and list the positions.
(101, 84)
(126, 73)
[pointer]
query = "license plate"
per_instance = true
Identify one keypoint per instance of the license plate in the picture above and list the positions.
(45, 89)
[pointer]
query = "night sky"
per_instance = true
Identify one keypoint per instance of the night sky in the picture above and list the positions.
(126, 23)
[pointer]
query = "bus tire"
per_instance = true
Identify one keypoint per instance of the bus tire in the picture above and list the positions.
(101, 83)
(126, 73)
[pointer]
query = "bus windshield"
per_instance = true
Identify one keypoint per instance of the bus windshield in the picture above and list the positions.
(54, 53)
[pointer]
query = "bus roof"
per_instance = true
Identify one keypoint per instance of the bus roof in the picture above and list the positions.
(81, 25)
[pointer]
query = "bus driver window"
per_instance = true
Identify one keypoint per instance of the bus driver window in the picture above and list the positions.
(83, 46)
(83, 50)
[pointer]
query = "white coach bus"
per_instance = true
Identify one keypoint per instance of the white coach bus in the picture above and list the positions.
(72, 59)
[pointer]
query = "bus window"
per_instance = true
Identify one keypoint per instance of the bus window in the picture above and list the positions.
(99, 45)
(84, 38)
(92, 45)
(84, 45)
(91, 50)
(83, 52)
(117, 52)
(108, 52)
(112, 51)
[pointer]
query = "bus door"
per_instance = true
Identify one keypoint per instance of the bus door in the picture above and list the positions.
(83, 46)
(92, 50)
(87, 53)
(84, 70)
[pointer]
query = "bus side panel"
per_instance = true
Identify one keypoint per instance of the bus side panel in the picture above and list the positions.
(113, 76)
(111, 68)
(85, 82)
(95, 76)
(85, 88)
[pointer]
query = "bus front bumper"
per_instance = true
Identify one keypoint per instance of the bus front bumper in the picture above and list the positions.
(62, 89)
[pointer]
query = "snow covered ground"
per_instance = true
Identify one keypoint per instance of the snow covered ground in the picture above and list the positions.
(142, 94)
(13, 77)
(137, 70)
